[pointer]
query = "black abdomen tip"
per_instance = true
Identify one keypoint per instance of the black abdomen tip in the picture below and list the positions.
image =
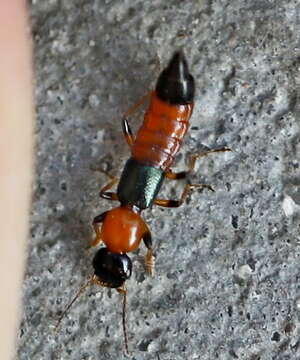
(175, 84)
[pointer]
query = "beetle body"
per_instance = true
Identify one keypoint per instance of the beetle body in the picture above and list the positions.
(152, 153)
(157, 142)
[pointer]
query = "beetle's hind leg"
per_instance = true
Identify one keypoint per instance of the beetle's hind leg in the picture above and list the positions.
(182, 175)
(192, 163)
(108, 195)
(186, 191)
(104, 194)
(129, 137)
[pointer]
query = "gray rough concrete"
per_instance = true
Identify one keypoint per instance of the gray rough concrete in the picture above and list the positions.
(227, 281)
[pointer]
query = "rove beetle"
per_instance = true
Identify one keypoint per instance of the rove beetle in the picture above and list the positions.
(152, 153)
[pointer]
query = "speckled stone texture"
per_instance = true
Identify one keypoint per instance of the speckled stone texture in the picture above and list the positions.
(227, 275)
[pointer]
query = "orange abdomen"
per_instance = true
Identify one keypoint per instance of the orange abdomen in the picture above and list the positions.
(160, 137)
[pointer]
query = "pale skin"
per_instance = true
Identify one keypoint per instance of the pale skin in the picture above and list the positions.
(16, 164)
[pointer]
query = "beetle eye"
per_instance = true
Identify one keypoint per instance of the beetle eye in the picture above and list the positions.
(112, 269)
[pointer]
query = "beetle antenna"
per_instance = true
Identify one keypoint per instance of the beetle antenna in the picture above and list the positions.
(124, 320)
(123, 290)
(80, 291)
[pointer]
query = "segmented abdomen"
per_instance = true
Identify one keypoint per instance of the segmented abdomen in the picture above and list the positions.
(160, 137)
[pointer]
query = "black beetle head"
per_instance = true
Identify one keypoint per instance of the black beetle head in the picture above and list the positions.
(112, 269)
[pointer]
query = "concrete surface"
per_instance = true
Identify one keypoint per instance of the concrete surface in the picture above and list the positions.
(227, 277)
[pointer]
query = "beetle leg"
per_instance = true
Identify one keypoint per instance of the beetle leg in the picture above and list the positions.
(198, 155)
(122, 290)
(127, 132)
(108, 195)
(187, 189)
(149, 259)
(103, 192)
(176, 176)
(98, 220)
(192, 163)
(129, 137)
